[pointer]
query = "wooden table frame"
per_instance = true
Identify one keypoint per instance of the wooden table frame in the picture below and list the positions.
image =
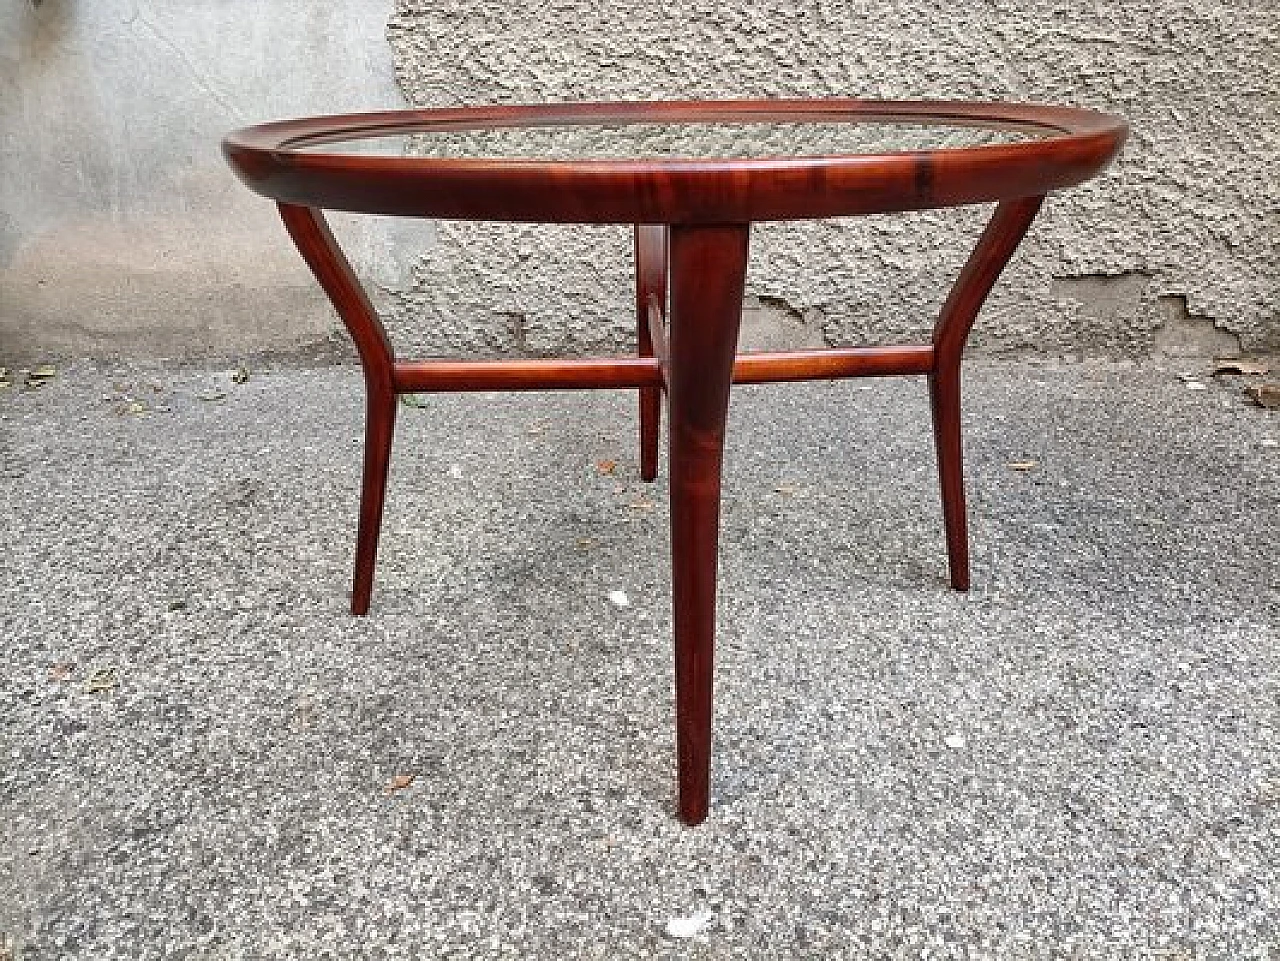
(692, 220)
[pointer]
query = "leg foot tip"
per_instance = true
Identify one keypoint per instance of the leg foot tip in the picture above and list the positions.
(693, 813)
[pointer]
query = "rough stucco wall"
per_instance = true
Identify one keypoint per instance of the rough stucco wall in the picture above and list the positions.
(122, 230)
(1182, 231)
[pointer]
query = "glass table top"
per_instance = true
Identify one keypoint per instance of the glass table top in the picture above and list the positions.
(681, 141)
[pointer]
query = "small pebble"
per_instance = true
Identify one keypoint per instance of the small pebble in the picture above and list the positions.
(955, 741)
(690, 927)
(619, 599)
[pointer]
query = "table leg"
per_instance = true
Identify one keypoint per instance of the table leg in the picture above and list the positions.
(944, 400)
(379, 428)
(997, 244)
(320, 250)
(651, 283)
(708, 267)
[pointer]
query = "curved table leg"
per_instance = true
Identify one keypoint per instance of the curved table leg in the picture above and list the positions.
(708, 268)
(651, 284)
(995, 247)
(315, 241)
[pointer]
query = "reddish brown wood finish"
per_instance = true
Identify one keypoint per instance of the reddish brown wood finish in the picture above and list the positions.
(997, 244)
(603, 373)
(272, 160)
(658, 337)
(578, 373)
(651, 299)
(708, 266)
(325, 258)
(832, 363)
(692, 224)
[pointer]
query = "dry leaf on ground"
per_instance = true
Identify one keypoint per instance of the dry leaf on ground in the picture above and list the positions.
(39, 376)
(101, 680)
(1237, 366)
(400, 782)
(1265, 395)
(606, 466)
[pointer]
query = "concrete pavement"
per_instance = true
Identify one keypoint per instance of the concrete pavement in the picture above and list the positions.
(202, 755)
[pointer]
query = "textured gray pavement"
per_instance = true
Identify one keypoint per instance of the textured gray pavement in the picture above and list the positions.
(1078, 759)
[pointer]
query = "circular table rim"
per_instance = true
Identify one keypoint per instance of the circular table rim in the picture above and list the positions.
(277, 159)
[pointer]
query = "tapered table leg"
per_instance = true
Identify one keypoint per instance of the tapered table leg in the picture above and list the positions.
(944, 400)
(707, 269)
(1009, 224)
(379, 427)
(651, 285)
(318, 247)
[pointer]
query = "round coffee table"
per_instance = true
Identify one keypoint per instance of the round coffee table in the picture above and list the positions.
(692, 212)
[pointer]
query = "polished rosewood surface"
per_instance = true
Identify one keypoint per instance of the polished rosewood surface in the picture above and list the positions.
(691, 177)
(967, 153)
